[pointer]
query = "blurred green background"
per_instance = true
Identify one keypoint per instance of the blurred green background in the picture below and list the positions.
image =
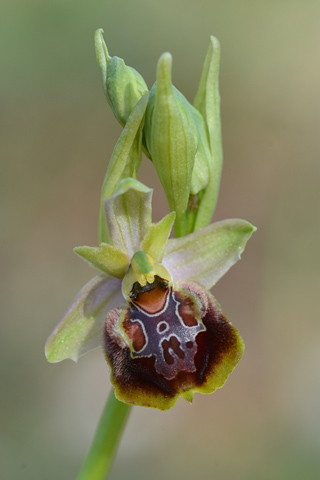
(58, 133)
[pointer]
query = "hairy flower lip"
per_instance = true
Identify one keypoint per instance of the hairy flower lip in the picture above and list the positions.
(152, 380)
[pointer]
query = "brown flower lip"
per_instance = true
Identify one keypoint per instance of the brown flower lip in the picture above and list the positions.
(169, 342)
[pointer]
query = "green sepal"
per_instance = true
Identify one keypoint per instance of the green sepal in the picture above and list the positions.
(155, 240)
(79, 331)
(206, 255)
(207, 102)
(122, 85)
(106, 258)
(125, 160)
(128, 215)
(170, 142)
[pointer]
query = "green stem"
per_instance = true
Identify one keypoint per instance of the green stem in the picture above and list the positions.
(104, 446)
(181, 225)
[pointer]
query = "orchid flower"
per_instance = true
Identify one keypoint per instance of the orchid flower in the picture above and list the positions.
(164, 335)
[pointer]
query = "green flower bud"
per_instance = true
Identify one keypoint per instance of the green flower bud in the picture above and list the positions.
(170, 141)
(122, 85)
(200, 171)
(176, 136)
(207, 102)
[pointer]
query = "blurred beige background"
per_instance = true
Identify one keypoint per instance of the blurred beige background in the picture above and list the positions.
(57, 136)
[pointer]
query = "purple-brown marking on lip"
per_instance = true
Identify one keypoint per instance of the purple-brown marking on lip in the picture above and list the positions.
(167, 346)
(161, 366)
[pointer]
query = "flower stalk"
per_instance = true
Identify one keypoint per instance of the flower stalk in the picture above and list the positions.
(104, 446)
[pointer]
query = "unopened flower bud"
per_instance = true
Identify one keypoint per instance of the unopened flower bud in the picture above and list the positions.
(171, 141)
(200, 171)
(122, 85)
(207, 102)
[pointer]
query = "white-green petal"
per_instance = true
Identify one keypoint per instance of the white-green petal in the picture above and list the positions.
(80, 329)
(207, 254)
(155, 241)
(128, 214)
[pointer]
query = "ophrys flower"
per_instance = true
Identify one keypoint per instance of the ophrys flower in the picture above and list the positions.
(163, 333)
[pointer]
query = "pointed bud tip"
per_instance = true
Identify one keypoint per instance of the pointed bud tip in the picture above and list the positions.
(215, 42)
(164, 67)
(166, 57)
(100, 45)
